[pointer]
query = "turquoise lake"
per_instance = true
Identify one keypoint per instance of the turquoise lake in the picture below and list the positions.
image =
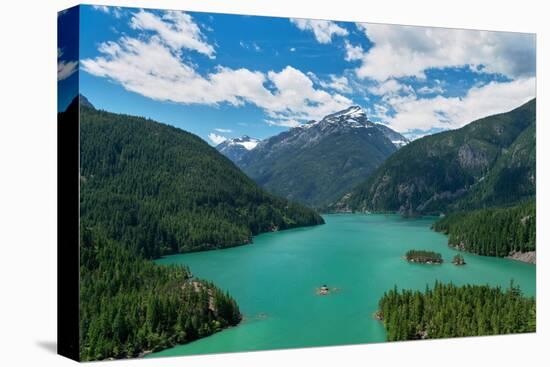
(274, 280)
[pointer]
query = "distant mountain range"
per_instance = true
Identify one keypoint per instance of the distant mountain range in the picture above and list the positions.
(316, 163)
(236, 148)
(488, 162)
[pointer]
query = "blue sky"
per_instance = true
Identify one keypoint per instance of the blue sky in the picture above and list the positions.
(222, 76)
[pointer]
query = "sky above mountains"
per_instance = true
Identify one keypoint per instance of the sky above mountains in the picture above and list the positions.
(222, 76)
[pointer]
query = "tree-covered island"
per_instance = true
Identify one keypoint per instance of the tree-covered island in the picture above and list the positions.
(423, 257)
(458, 260)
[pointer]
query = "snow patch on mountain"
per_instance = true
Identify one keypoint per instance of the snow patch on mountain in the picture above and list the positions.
(354, 117)
(245, 141)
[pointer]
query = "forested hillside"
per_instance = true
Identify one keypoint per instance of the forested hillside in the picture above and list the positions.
(161, 190)
(146, 190)
(492, 232)
(488, 162)
(450, 311)
(130, 305)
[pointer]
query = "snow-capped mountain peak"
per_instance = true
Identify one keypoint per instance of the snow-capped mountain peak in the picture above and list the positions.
(353, 116)
(245, 141)
(350, 112)
(236, 148)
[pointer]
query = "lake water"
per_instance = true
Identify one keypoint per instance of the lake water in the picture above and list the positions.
(274, 281)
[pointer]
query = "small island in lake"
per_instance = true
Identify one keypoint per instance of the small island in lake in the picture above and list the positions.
(423, 257)
(458, 260)
(324, 290)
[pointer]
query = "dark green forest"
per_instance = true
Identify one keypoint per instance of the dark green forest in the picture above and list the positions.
(130, 305)
(492, 232)
(147, 190)
(161, 190)
(451, 311)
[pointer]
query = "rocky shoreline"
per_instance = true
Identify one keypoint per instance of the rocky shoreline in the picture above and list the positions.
(529, 257)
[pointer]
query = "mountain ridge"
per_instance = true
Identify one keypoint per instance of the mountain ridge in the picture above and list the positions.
(432, 174)
(236, 148)
(314, 163)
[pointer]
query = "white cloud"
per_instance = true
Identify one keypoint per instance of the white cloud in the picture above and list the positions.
(102, 8)
(322, 29)
(401, 51)
(250, 46)
(283, 123)
(389, 88)
(116, 11)
(176, 29)
(412, 113)
(154, 67)
(340, 84)
(65, 68)
(216, 139)
(436, 89)
(353, 53)
(292, 49)
(223, 130)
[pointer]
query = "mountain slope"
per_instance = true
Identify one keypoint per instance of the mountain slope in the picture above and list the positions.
(512, 178)
(434, 173)
(162, 190)
(129, 305)
(236, 148)
(316, 163)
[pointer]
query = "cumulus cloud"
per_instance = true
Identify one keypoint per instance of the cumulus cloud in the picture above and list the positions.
(116, 11)
(176, 29)
(412, 113)
(154, 67)
(353, 53)
(216, 139)
(436, 89)
(102, 8)
(389, 88)
(401, 51)
(322, 29)
(65, 68)
(338, 83)
(283, 123)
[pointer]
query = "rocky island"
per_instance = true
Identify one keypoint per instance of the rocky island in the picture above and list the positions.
(458, 260)
(324, 290)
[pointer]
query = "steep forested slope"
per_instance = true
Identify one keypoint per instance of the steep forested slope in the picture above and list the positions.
(162, 190)
(491, 159)
(129, 305)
